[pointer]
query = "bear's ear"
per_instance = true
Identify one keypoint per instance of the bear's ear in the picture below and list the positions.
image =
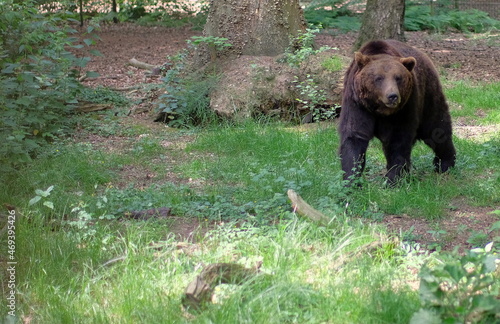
(408, 62)
(361, 59)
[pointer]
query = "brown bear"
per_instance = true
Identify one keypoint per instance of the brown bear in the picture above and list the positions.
(392, 92)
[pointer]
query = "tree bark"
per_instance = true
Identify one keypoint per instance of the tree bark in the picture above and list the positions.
(114, 11)
(81, 13)
(383, 19)
(254, 27)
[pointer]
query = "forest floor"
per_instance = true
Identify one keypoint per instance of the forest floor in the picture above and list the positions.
(457, 56)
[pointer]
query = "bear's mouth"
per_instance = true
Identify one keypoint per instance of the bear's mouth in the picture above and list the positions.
(388, 108)
(392, 100)
(391, 105)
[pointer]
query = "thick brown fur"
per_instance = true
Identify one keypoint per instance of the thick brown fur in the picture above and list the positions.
(392, 92)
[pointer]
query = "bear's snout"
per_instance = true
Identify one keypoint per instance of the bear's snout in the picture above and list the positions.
(393, 98)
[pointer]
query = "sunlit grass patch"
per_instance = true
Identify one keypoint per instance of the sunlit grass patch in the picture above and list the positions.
(476, 103)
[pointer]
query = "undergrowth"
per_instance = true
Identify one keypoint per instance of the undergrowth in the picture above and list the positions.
(38, 80)
(438, 16)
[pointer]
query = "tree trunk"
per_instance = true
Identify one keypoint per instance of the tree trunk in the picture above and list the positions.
(382, 19)
(254, 27)
(81, 13)
(114, 11)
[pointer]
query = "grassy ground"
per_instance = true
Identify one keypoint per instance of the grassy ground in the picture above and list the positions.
(79, 260)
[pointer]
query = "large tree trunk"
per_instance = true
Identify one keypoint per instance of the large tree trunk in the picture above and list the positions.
(251, 81)
(382, 19)
(255, 27)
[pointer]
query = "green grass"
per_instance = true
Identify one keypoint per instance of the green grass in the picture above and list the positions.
(275, 159)
(475, 100)
(305, 282)
(238, 177)
(74, 170)
(333, 64)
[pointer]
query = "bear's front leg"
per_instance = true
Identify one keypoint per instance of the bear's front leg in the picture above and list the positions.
(356, 129)
(398, 156)
(352, 154)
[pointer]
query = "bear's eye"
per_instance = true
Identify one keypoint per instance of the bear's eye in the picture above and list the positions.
(379, 78)
(398, 78)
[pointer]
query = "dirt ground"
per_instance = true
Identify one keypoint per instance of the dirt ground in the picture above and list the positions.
(457, 57)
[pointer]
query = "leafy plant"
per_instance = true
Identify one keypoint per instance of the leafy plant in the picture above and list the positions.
(38, 80)
(302, 46)
(103, 95)
(314, 99)
(333, 64)
(478, 239)
(165, 13)
(441, 17)
(41, 194)
(311, 95)
(335, 14)
(215, 44)
(133, 10)
(460, 289)
(186, 102)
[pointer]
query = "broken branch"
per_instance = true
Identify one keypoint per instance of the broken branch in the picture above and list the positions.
(142, 65)
(89, 107)
(303, 208)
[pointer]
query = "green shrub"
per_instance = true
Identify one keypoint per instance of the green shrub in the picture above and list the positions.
(441, 18)
(38, 80)
(302, 46)
(473, 20)
(333, 14)
(166, 13)
(186, 101)
(103, 95)
(460, 289)
(333, 64)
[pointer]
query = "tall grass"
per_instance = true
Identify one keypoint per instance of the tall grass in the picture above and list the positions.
(65, 280)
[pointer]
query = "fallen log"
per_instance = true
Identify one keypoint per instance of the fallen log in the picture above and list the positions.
(301, 207)
(125, 89)
(89, 107)
(162, 212)
(199, 292)
(142, 65)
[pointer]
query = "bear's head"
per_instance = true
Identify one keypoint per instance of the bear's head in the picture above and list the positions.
(383, 82)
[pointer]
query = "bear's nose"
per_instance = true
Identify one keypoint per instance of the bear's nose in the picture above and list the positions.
(393, 97)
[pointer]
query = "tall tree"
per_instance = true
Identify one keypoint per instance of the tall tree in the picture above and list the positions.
(255, 27)
(382, 19)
